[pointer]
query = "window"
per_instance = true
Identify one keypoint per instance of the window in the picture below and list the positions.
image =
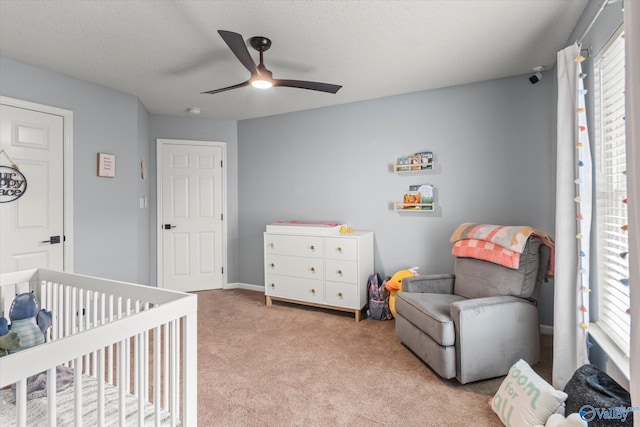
(610, 195)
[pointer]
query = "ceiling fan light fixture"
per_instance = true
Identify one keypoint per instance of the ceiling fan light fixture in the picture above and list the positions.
(261, 83)
(261, 77)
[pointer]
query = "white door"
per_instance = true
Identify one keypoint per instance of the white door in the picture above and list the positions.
(32, 226)
(190, 215)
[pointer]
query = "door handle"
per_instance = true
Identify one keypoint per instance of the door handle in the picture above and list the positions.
(53, 240)
(169, 226)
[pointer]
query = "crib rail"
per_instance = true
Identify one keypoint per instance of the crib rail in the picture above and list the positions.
(138, 338)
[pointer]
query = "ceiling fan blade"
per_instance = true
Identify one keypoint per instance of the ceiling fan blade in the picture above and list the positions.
(243, 84)
(239, 48)
(301, 84)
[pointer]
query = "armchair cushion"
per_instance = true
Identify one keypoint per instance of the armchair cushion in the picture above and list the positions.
(430, 313)
(476, 278)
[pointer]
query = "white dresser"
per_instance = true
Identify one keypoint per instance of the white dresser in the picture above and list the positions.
(328, 271)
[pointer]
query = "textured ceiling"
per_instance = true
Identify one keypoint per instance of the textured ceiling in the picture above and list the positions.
(168, 52)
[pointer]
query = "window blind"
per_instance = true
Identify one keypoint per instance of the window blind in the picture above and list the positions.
(611, 192)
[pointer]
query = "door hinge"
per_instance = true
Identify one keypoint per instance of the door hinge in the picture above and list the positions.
(221, 163)
(222, 270)
(221, 217)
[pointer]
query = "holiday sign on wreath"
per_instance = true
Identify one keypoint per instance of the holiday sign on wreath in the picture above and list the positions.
(13, 183)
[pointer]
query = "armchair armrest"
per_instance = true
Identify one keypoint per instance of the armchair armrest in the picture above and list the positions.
(492, 333)
(433, 283)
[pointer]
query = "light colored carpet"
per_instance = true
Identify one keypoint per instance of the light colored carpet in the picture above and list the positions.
(290, 365)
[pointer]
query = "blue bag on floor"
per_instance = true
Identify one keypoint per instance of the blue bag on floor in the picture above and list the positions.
(378, 299)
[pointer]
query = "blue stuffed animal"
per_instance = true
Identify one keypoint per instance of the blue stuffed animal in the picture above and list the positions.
(28, 321)
(8, 340)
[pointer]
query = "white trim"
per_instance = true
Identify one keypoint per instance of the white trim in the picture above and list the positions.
(159, 143)
(67, 119)
(246, 286)
(613, 351)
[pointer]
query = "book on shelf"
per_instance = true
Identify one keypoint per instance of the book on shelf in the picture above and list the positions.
(426, 160)
(404, 164)
(419, 197)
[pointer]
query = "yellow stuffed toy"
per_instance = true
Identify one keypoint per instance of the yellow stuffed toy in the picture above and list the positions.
(394, 285)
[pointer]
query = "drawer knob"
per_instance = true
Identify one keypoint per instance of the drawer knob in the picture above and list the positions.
(273, 285)
(313, 269)
(313, 248)
(339, 249)
(272, 265)
(273, 245)
(340, 272)
(313, 291)
(340, 294)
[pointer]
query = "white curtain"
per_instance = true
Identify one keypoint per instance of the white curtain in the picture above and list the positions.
(632, 124)
(573, 219)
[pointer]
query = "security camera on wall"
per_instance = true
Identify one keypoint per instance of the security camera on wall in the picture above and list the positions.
(537, 76)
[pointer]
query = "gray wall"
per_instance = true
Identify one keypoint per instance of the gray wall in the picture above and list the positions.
(171, 127)
(494, 148)
(110, 236)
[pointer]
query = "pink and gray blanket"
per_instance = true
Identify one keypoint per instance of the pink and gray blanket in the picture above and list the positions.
(498, 243)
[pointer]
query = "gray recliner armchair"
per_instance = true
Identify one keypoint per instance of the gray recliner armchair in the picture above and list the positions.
(476, 323)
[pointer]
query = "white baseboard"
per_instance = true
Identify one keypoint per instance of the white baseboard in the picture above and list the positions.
(246, 286)
(546, 330)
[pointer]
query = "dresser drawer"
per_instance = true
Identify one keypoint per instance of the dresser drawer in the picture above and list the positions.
(294, 288)
(341, 271)
(341, 294)
(310, 268)
(284, 244)
(341, 248)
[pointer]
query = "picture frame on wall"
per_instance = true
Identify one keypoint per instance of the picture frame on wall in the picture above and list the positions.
(106, 165)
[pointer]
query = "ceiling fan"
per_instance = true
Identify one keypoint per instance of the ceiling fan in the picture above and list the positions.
(261, 77)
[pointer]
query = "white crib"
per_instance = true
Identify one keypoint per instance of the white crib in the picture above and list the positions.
(132, 350)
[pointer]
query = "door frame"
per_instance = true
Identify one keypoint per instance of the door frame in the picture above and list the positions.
(160, 142)
(67, 173)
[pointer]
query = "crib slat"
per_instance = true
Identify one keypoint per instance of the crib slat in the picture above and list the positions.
(110, 347)
(122, 385)
(21, 403)
(55, 330)
(94, 324)
(190, 376)
(145, 365)
(77, 384)
(174, 372)
(127, 350)
(51, 397)
(165, 362)
(67, 312)
(136, 355)
(141, 400)
(61, 308)
(156, 374)
(85, 312)
(100, 374)
(102, 317)
(146, 353)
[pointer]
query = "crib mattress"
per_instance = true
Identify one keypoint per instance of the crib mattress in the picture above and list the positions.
(37, 408)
